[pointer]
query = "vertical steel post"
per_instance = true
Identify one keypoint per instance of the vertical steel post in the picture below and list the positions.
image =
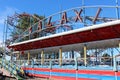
(76, 64)
(4, 34)
(28, 57)
(85, 54)
(119, 44)
(83, 4)
(112, 57)
(42, 57)
(20, 58)
(50, 65)
(114, 64)
(60, 56)
(117, 9)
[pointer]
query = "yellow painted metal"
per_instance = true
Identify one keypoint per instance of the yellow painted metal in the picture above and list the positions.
(60, 57)
(85, 55)
(42, 57)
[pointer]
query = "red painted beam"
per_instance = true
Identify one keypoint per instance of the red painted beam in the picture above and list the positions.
(59, 77)
(96, 72)
(110, 32)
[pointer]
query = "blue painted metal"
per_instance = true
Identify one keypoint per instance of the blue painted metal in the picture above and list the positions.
(90, 76)
(114, 64)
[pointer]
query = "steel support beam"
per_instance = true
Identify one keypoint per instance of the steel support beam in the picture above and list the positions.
(42, 57)
(119, 44)
(114, 64)
(60, 56)
(85, 54)
(98, 12)
(28, 57)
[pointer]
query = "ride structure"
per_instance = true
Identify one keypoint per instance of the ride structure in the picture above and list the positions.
(77, 44)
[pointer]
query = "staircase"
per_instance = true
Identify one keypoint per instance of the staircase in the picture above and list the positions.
(11, 69)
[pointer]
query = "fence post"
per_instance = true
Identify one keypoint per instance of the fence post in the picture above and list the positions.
(76, 68)
(114, 64)
(50, 67)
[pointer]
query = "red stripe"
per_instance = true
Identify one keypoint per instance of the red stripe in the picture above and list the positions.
(59, 77)
(98, 72)
(64, 70)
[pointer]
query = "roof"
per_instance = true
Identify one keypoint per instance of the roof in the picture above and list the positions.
(100, 32)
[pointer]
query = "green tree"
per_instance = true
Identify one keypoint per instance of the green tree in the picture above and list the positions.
(24, 22)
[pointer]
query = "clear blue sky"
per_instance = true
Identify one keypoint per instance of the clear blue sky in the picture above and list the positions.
(42, 7)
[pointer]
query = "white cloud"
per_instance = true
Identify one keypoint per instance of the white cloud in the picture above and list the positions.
(8, 11)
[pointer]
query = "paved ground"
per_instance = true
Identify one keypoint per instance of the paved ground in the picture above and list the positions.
(4, 72)
(8, 78)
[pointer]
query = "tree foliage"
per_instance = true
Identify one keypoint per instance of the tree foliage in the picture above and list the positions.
(24, 22)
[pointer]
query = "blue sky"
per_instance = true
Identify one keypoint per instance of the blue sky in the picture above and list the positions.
(42, 7)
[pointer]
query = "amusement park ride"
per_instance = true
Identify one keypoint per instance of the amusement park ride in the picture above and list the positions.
(88, 31)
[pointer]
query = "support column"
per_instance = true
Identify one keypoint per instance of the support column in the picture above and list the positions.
(42, 57)
(60, 56)
(119, 44)
(20, 58)
(114, 64)
(112, 60)
(28, 57)
(85, 54)
(17, 57)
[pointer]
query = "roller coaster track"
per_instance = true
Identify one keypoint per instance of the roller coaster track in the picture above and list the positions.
(69, 19)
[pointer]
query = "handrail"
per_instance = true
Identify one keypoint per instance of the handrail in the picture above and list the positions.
(12, 68)
(76, 63)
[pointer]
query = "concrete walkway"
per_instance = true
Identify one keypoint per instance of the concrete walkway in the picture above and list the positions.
(5, 72)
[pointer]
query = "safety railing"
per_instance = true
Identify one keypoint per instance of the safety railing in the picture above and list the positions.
(15, 70)
(104, 63)
(48, 67)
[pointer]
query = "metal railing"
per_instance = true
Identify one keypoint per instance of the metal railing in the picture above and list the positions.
(78, 63)
(13, 68)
